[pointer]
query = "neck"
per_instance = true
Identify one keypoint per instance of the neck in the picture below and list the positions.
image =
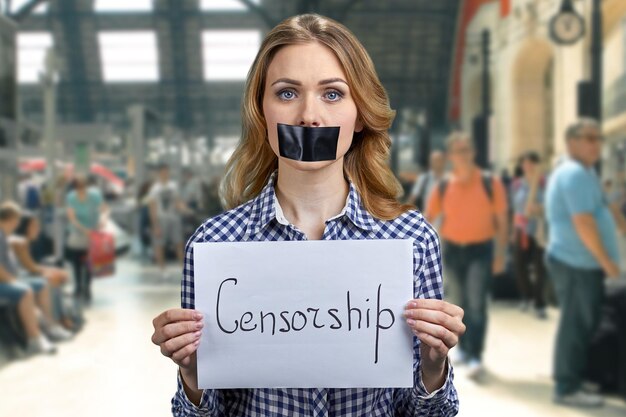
(311, 197)
(5, 229)
(438, 173)
(582, 160)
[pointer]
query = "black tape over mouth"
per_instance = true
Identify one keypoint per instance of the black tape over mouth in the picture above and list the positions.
(308, 144)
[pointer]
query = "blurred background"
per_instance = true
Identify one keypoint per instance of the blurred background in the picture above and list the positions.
(113, 97)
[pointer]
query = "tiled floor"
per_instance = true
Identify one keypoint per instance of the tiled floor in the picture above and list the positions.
(112, 368)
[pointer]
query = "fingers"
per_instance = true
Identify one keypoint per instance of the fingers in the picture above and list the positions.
(183, 355)
(185, 362)
(436, 323)
(174, 330)
(437, 305)
(174, 315)
(179, 347)
(436, 344)
(422, 328)
(177, 332)
(451, 323)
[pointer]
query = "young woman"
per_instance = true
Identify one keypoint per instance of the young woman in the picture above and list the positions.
(311, 72)
(527, 195)
(31, 298)
(26, 233)
(85, 207)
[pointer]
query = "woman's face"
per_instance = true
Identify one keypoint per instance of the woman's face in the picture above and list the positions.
(529, 167)
(306, 86)
(33, 229)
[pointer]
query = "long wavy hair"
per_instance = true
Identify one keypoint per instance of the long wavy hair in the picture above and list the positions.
(253, 161)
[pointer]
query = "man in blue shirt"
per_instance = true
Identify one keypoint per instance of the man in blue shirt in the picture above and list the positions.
(582, 250)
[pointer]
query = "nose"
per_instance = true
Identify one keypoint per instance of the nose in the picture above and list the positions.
(309, 114)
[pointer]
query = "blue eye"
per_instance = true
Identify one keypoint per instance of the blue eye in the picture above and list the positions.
(333, 95)
(286, 95)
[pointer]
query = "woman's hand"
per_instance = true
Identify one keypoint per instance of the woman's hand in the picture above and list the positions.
(56, 276)
(438, 325)
(177, 332)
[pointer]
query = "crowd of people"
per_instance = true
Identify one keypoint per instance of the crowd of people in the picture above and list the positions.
(43, 297)
(37, 310)
(555, 233)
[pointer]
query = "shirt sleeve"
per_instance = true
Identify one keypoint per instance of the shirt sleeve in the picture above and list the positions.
(541, 192)
(153, 193)
(428, 284)
(175, 190)
(181, 406)
(97, 198)
(69, 200)
(575, 190)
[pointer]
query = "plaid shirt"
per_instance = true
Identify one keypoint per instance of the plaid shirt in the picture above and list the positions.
(262, 219)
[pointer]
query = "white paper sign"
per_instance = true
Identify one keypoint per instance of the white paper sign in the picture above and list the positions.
(305, 314)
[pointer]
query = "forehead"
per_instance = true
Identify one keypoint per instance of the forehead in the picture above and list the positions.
(303, 62)
(461, 143)
(589, 131)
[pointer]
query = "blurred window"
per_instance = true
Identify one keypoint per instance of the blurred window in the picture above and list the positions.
(16, 5)
(222, 5)
(228, 54)
(123, 6)
(31, 54)
(129, 56)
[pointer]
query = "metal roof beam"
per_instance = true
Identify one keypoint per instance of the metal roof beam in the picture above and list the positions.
(26, 10)
(77, 81)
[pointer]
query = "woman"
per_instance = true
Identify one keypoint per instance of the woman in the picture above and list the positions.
(26, 233)
(311, 72)
(527, 196)
(29, 297)
(85, 207)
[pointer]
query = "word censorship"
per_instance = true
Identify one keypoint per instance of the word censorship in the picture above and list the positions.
(346, 317)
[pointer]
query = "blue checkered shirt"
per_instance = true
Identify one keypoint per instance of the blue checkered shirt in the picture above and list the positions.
(262, 219)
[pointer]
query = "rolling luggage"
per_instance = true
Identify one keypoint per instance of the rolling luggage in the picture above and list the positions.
(607, 355)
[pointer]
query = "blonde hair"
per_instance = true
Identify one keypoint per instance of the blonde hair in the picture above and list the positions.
(253, 162)
(9, 210)
(459, 136)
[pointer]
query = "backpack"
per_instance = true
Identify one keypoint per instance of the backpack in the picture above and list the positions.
(421, 197)
(32, 201)
(487, 180)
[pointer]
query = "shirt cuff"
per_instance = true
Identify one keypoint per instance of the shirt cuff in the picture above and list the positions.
(421, 393)
(182, 407)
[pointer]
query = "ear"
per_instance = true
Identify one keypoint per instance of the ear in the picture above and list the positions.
(358, 125)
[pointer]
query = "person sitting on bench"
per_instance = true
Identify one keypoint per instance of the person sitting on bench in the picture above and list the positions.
(26, 233)
(25, 294)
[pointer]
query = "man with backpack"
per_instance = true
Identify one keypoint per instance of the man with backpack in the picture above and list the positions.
(473, 208)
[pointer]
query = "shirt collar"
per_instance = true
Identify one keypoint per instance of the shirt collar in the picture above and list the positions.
(265, 208)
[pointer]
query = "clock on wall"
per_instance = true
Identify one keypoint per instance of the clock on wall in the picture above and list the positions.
(567, 26)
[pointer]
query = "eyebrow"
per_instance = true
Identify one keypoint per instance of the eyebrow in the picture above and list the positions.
(322, 82)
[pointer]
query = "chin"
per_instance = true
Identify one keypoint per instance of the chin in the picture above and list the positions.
(307, 166)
